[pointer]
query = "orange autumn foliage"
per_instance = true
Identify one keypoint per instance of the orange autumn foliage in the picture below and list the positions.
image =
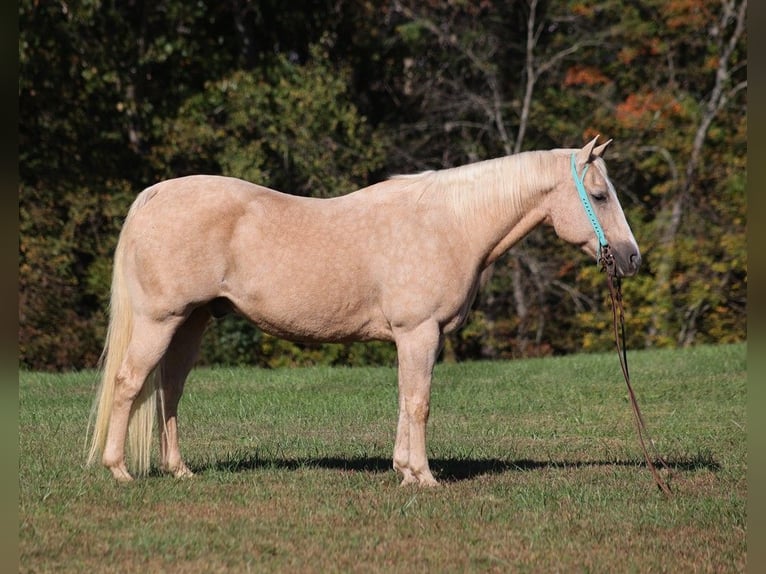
(650, 108)
(585, 76)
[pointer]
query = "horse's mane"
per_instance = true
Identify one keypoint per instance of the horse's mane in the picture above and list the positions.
(499, 185)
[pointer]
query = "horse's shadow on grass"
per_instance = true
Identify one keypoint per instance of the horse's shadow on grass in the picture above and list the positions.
(446, 470)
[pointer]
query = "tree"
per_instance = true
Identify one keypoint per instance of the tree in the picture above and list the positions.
(686, 126)
(99, 86)
(286, 125)
(320, 97)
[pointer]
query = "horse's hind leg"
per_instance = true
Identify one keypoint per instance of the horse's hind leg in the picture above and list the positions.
(147, 345)
(179, 360)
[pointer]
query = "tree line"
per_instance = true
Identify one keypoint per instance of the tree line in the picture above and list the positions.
(319, 97)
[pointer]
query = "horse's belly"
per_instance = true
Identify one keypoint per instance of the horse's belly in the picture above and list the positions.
(305, 316)
(319, 328)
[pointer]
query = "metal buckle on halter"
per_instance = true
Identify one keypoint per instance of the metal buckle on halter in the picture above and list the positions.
(607, 261)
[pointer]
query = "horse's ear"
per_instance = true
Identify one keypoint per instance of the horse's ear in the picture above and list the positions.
(599, 151)
(585, 155)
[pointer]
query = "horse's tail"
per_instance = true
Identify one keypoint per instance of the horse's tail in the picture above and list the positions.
(117, 339)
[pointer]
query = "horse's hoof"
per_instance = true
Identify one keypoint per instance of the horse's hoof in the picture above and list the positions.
(408, 480)
(183, 472)
(428, 480)
(121, 474)
(178, 471)
(424, 480)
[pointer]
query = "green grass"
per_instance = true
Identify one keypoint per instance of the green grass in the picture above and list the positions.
(538, 459)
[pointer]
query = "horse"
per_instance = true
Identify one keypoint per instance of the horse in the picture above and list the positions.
(401, 260)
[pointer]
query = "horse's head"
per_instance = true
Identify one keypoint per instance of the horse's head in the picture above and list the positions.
(584, 210)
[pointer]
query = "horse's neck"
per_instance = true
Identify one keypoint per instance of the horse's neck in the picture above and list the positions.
(497, 202)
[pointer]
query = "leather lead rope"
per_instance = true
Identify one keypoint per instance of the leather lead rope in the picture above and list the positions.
(607, 262)
(615, 293)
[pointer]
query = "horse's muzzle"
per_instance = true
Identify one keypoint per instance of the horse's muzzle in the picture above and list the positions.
(627, 260)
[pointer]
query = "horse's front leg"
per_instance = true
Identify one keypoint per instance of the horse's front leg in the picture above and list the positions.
(417, 351)
(402, 445)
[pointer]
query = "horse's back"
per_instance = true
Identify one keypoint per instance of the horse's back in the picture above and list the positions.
(205, 206)
(344, 268)
(195, 192)
(279, 259)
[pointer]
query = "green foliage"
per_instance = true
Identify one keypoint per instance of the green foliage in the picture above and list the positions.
(320, 98)
(288, 126)
(65, 274)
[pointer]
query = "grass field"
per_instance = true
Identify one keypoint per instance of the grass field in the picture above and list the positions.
(540, 468)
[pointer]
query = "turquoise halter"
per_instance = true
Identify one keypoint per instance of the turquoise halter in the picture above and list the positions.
(578, 179)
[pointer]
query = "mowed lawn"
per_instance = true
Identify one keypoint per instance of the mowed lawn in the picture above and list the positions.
(540, 467)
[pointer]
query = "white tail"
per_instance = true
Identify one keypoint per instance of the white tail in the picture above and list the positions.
(117, 340)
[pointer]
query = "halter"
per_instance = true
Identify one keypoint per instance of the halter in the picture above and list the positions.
(578, 179)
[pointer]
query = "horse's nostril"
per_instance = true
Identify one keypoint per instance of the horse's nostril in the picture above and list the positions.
(635, 260)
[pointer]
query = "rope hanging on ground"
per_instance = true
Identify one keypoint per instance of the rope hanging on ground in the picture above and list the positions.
(615, 293)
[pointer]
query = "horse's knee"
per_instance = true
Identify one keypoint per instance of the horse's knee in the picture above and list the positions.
(418, 410)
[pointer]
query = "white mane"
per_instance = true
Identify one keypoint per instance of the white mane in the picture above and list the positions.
(504, 185)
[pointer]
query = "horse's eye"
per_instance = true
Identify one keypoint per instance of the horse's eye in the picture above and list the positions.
(600, 196)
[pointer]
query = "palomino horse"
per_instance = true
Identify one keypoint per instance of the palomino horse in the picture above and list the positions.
(401, 261)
